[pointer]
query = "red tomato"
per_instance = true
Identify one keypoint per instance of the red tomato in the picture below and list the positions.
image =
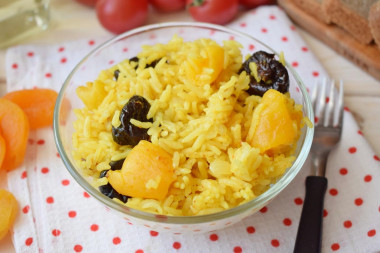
(168, 5)
(255, 3)
(90, 3)
(118, 16)
(213, 11)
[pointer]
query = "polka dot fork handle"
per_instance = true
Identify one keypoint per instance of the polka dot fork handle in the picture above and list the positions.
(328, 128)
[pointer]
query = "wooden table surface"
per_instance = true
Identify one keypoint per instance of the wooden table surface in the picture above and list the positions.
(362, 92)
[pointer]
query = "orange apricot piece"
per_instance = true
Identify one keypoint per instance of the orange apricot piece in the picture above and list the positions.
(2, 150)
(14, 127)
(147, 172)
(198, 67)
(278, 123)
(38, 104)
(8, 211)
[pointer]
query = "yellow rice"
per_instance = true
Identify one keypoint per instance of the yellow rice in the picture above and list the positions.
(204, 127)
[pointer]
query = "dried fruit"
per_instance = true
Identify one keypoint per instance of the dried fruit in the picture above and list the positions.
(2, 150)
(14, 126)
(148, 65)
(136, 59)
(92, 94)
(38, 105)
(198, 68)
(116, 74)
(265, 73)
(110, 192)
(107, 189)
(278, 123)
(117, 165)
(8, 211)
(147, 172)
(128, 134)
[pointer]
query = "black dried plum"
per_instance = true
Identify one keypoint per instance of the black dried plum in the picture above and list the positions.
(148, 65)
(107, 189)
(153, 63)
(117, 165)
(110, 192)
(128, 134)
(116, 74)
(103, 173)
(123, 198)
(136, 59)
(271, 73)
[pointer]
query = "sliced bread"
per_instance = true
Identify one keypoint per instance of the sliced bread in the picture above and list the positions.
(314, 8)
(352, 16)
(374, 22)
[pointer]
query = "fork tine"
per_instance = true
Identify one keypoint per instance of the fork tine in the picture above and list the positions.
(329, 113)
(321, 102)
(314, 97)
(338, 120)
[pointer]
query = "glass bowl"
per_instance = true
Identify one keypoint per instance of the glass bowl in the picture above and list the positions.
(126, 46)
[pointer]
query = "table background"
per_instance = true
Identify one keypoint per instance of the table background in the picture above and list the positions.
(362, 92)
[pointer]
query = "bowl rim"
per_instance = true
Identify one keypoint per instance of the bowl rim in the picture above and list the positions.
(259, 201)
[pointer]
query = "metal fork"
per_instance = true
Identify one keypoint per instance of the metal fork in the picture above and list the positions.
(328, 112)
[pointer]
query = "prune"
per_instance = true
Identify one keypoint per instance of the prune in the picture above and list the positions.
(103, 173)
(128, 134)
(107, 189)
(153, 63)
(110, 192)
(135, 59)
(117, 165)
(271, 74)
(116, 74)
(148, 65)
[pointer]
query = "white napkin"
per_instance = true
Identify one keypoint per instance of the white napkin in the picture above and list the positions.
(56, 215)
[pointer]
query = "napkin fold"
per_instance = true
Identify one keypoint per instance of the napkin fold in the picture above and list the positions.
(57, 215)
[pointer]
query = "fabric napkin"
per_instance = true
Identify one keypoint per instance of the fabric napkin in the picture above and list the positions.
(57, 215)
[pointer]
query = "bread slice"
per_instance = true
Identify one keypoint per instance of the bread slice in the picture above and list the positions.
(351, 15)
(374, 22)
(314, 8)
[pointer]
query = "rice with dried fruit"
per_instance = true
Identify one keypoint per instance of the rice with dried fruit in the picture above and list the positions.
(200, 114)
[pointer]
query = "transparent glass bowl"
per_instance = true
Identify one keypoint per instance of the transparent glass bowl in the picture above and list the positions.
(127, 45)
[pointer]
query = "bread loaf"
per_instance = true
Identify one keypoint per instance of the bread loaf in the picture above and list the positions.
(352, 16)
(314, 8)
(374, 22)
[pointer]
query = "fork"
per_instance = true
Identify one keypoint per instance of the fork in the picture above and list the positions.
(328, 128)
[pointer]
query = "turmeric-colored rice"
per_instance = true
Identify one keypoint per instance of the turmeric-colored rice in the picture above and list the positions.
(203, 126)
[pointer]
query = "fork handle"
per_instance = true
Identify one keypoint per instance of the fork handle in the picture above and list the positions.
(310, 228)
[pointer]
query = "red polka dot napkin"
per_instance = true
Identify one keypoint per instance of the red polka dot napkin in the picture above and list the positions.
(56, 215)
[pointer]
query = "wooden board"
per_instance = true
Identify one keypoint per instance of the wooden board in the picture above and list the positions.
(367, 57)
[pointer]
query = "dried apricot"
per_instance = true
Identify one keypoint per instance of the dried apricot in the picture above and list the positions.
(8, 211)
(147, 172)
(14, 127)
(92, 94)
(278, 125)
(38, 104)
(2, 150)
(205, 69)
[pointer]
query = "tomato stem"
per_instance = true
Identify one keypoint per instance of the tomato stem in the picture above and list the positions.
(197, 3)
